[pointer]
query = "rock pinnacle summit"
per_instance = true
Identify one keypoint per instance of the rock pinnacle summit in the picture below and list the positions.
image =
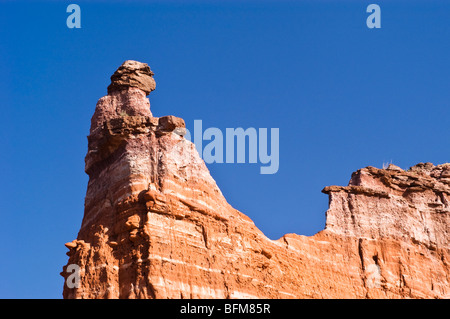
(156, 225)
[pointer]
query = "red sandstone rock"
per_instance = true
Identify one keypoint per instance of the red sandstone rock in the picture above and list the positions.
(132, 74)
(157, 226)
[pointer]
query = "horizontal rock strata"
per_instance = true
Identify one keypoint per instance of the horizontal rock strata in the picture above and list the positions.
(156, 225)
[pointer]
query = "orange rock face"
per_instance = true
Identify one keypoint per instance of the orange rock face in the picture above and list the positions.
(157, 226)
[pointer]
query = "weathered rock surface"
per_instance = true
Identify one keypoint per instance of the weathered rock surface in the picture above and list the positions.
(157, 226)
(132, 74)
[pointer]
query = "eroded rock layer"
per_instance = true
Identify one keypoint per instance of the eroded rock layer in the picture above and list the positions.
(157, 226)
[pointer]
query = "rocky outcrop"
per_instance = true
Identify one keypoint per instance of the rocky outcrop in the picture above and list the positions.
(132, 74)
(156, 225)
(410, 205)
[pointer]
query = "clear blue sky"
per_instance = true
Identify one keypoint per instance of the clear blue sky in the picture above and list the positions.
(342, 95)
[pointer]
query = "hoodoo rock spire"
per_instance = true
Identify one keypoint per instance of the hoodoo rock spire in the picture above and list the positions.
(156, 224)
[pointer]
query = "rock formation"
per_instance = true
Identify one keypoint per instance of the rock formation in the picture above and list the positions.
(132, 74)
(157, 226)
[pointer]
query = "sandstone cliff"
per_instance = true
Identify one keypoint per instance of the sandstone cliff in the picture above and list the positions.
(157, 226)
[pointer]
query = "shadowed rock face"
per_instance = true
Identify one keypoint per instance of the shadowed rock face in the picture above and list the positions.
(156, 225)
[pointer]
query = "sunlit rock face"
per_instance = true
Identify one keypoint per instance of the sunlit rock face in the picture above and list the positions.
(156, 225)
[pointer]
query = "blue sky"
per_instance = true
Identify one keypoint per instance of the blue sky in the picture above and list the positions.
(343, 96)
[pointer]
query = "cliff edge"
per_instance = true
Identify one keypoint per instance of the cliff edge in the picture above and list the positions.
(156, 225)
